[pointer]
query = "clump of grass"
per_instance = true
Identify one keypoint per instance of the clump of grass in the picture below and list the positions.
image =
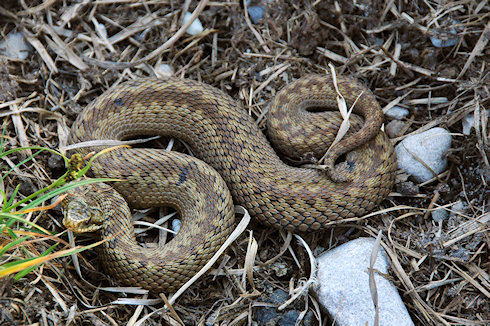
(17, 233)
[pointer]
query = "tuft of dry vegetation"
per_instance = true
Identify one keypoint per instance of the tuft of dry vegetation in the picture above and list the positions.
(430, 57)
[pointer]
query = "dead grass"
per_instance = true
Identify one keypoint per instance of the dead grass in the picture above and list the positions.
(79, 49)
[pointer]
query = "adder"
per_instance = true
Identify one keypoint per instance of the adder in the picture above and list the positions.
(234, 161)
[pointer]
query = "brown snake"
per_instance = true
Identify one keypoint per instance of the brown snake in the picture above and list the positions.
(222, 134)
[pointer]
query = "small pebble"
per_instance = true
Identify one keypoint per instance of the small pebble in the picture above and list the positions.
(343, 286)
(176, 224)
(429, 146)
(164, 70)
(446, 41)
(439, 215)
(394, 128)
(14, 45)
(397, 112)
(196, 26)
(280, 269)
(458, 208)
(256, 13)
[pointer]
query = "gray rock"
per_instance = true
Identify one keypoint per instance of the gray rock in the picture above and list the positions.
(397, 112)
(439, 215)
(196, 26)
(256, 13)
(429, 146)
(445, 39)
(15, 46)
(176, 224)
(394, 127)
(458, 207)
(343, 287)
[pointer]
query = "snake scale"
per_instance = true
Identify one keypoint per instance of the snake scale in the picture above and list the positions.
(240, 165)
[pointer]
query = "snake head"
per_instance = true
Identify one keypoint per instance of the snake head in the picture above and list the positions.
(80, 216)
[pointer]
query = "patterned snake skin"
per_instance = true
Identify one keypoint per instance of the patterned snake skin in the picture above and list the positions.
(220, 133)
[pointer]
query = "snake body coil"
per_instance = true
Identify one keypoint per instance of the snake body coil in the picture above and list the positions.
(221, 134)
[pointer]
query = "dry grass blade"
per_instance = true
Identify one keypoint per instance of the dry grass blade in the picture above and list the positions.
(478, 49)
(179, 33)
(238, 230)
(342, 105)
(372, 281)
(254, 31)
(250, 261)
(233, 236)
(305, 286)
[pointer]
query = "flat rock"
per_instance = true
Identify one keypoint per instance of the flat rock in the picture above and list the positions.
(397, 112)
(343, 287)
(429, 146)
(15, 46)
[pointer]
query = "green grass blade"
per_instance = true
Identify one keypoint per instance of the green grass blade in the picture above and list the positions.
(26, 271)
(12, 244)
(11, 218)
(38, 201)
(14, 194)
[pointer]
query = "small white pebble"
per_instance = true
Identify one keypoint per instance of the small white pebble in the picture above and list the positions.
(196, 26)
(397, 112)
(14, 45)
(428, 146)
(163, 70)
(439, 215)
(176, 224)
(101, 29)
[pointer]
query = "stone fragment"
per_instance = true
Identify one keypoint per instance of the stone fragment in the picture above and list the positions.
(428, 146)
(397, 112)
(343, 287)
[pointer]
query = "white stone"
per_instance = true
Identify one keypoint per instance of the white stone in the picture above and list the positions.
(457, 208)
(439, 214)
(176, 224)
(428, 146)
(196, 26)
(397, 112)
(14, 45)
(164, 70)
(343, 287)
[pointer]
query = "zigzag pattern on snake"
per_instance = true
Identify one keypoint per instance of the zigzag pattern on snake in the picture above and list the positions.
(239, 161)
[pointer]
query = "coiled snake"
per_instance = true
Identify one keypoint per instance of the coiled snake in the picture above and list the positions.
(240, 164)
